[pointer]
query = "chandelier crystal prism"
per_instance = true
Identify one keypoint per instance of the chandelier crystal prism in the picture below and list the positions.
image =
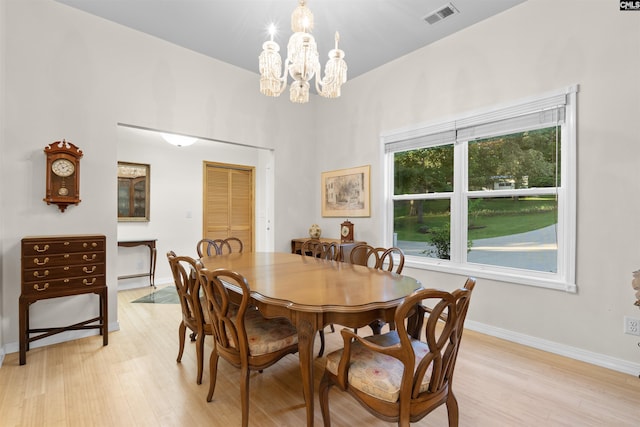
(302, 62)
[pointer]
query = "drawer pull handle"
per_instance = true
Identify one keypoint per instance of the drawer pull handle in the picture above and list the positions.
(40, 289)
(44, 261)
(66, 280)
(67, 243)
(66, 255)
(86, 270)
(37, 274)
(86, 258)
(66, 268)
(37, 248)
(86, 282)
(93, 245)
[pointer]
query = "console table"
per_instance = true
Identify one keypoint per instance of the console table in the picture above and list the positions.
(151, 243)
(60, 266)
(345, 248)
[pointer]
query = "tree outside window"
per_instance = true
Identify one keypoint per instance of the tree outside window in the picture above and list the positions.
(493, 193)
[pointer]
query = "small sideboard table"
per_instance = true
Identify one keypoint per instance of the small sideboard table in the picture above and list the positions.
(151, 243)
(345, 248)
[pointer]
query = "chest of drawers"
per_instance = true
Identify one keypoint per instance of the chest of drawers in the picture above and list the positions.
(59, 266)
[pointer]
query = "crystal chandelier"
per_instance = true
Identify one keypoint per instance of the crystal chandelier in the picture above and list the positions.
(302, 62)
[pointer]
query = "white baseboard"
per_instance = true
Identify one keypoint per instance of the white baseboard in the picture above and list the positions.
(556, 348)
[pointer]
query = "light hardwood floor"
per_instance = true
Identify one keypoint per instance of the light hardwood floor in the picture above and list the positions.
(135, 381)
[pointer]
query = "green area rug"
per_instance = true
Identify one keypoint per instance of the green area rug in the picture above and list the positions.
(166, 295)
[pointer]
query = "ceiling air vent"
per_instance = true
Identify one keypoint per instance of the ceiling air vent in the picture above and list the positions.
(441, 13)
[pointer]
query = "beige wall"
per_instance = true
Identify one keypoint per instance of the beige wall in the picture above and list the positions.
(531, 49)
(71, 75)
(2, 139)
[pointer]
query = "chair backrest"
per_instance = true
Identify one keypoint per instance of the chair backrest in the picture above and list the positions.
(229, 245)
(207, 247)
(226, 313)
(392, 260)
(319, 249)
(363, 254)
(441, 330)
(187, 285)
(389, 259)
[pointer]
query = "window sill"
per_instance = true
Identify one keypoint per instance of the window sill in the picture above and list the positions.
(519, 277)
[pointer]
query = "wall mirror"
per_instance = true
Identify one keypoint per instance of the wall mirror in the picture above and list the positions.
(133, 191)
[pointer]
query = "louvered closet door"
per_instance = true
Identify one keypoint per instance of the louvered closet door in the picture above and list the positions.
(229, 202)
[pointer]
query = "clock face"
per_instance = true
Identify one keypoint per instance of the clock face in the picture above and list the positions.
(63, 167)
(345, 231)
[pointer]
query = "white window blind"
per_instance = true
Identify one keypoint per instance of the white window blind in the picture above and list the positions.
(546, 111)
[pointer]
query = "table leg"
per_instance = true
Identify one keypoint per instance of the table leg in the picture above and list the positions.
(376, 326)
(306, 326)
(24, 327)
(152, 266)
(104, 314)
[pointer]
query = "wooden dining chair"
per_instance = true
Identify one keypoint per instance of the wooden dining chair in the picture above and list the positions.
(319, 249)
(207, 247)
(323, 250)
(392, 259)
(403, 375)
(187, 285)
(389, 259)
(364, 254)
(243, 337)
(229, 245)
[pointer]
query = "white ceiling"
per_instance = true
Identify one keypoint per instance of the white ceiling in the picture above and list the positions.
(372, 32)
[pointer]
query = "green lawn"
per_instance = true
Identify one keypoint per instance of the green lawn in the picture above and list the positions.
(492, 218)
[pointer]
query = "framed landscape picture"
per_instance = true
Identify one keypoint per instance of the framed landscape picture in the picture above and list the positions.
(346, 192)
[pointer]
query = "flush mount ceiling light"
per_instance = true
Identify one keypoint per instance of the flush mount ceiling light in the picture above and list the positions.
(302, 62)
(178, 140)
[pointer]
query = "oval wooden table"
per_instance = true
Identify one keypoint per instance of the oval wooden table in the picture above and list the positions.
(314, 293)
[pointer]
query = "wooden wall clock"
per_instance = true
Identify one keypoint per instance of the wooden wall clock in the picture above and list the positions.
(346, 232)
(63, 174)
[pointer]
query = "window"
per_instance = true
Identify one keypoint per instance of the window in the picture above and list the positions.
(490, 194)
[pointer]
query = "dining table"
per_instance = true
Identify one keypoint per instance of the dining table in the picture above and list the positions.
(313, 293)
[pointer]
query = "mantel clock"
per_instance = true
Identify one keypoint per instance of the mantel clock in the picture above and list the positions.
(63, 174)
(346, 232)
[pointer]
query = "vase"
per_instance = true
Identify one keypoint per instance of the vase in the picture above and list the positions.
(314, 231)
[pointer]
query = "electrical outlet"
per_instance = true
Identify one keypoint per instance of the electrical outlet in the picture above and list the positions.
(631, 326)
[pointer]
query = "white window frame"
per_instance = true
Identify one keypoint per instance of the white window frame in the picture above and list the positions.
(456, 131)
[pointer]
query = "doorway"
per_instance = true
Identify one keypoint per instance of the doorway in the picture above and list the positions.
(229, 202)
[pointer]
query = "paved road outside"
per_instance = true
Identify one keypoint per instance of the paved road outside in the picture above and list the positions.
(533, 250)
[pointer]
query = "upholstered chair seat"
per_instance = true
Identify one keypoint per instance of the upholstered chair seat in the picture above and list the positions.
(266, 335)
(377, 374)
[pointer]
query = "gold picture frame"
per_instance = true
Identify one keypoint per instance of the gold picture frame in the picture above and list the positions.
(133, 192)
(346, 192)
